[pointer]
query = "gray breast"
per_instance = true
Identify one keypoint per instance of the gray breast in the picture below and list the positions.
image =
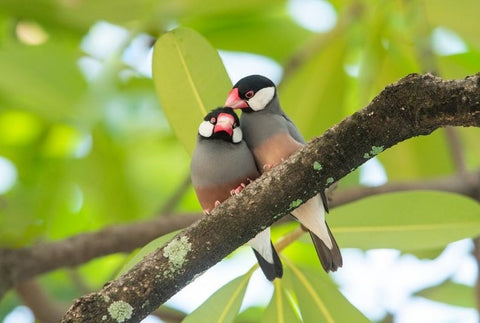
(218, 162)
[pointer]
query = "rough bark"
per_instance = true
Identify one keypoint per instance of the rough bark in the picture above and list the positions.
(415, 105)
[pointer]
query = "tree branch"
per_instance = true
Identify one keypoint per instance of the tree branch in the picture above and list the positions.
(21, 264)
(415, 105)
(112, 239)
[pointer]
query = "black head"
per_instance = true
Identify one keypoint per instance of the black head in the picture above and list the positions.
(221, 123)
(252, 93)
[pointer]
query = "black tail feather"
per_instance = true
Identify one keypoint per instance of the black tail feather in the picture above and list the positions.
(271, 271)
(331, 259)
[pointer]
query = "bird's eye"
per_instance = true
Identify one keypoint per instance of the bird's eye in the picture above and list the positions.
(212, 120)
(249, 94)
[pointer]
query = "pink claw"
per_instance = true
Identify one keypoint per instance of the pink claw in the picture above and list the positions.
(217, 203)
(267, 167)
(206, 212)
(239, 188)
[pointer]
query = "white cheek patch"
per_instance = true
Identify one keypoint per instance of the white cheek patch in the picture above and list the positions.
(237, 135)
(205, 129)
(262, 98)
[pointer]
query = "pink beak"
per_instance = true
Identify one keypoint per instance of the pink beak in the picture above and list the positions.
(224, 123)
(234, 101)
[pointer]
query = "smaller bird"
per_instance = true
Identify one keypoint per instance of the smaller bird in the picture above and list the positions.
(272, 137)
(221, 166)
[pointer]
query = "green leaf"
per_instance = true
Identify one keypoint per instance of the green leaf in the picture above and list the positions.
(459, 65)
(136, 257)
(250, 315)
(78, 17)
(460, 18)
(451, 293)
(271, 22)
(224, 304)
(280, 309)
(314, 95)
(44, 79)
(423, 156)
(430, 254)
(319, 299)
(190, 80)
(406, 220)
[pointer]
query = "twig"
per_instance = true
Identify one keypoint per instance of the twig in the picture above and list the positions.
(456, 149)
(43, 307)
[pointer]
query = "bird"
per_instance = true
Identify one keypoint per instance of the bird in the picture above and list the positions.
(221, 166)
(272, 137)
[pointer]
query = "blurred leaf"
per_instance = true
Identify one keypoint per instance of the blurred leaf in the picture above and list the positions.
(138, 256)
(18, 128)
(373, 54)
(451, 293)
(43, 79)
(459, 65)
(319, 299)
(99, 270)
(76, 17)
(314, 95)
(190, 80)
(406, 221)
(270, 31)
(280, 309)
(430, 254)
(8, 304)
(224, 304)
(302, 252)
(62, 285)
(418, 157)
(250, 315)
(459, 17)
(212, 9)
(389, 52)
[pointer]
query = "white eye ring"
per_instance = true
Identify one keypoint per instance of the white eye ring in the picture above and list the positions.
(237, 135)
(262, 98)
(205, 129)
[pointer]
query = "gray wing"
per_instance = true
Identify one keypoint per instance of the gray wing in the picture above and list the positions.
(292, 130)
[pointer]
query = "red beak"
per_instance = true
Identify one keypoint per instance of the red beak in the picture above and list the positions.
(224, 123)
(234, 101)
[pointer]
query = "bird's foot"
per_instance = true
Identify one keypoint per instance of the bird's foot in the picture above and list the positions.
(237, 190)
(267, 167)
(208, 211)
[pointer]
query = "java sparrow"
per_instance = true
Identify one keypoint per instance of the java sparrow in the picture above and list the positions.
(272, 137)
(221, 166)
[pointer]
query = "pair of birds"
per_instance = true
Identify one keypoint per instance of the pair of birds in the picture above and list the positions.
(227, 157)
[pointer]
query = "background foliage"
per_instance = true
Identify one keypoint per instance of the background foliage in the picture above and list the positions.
(90, 145)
